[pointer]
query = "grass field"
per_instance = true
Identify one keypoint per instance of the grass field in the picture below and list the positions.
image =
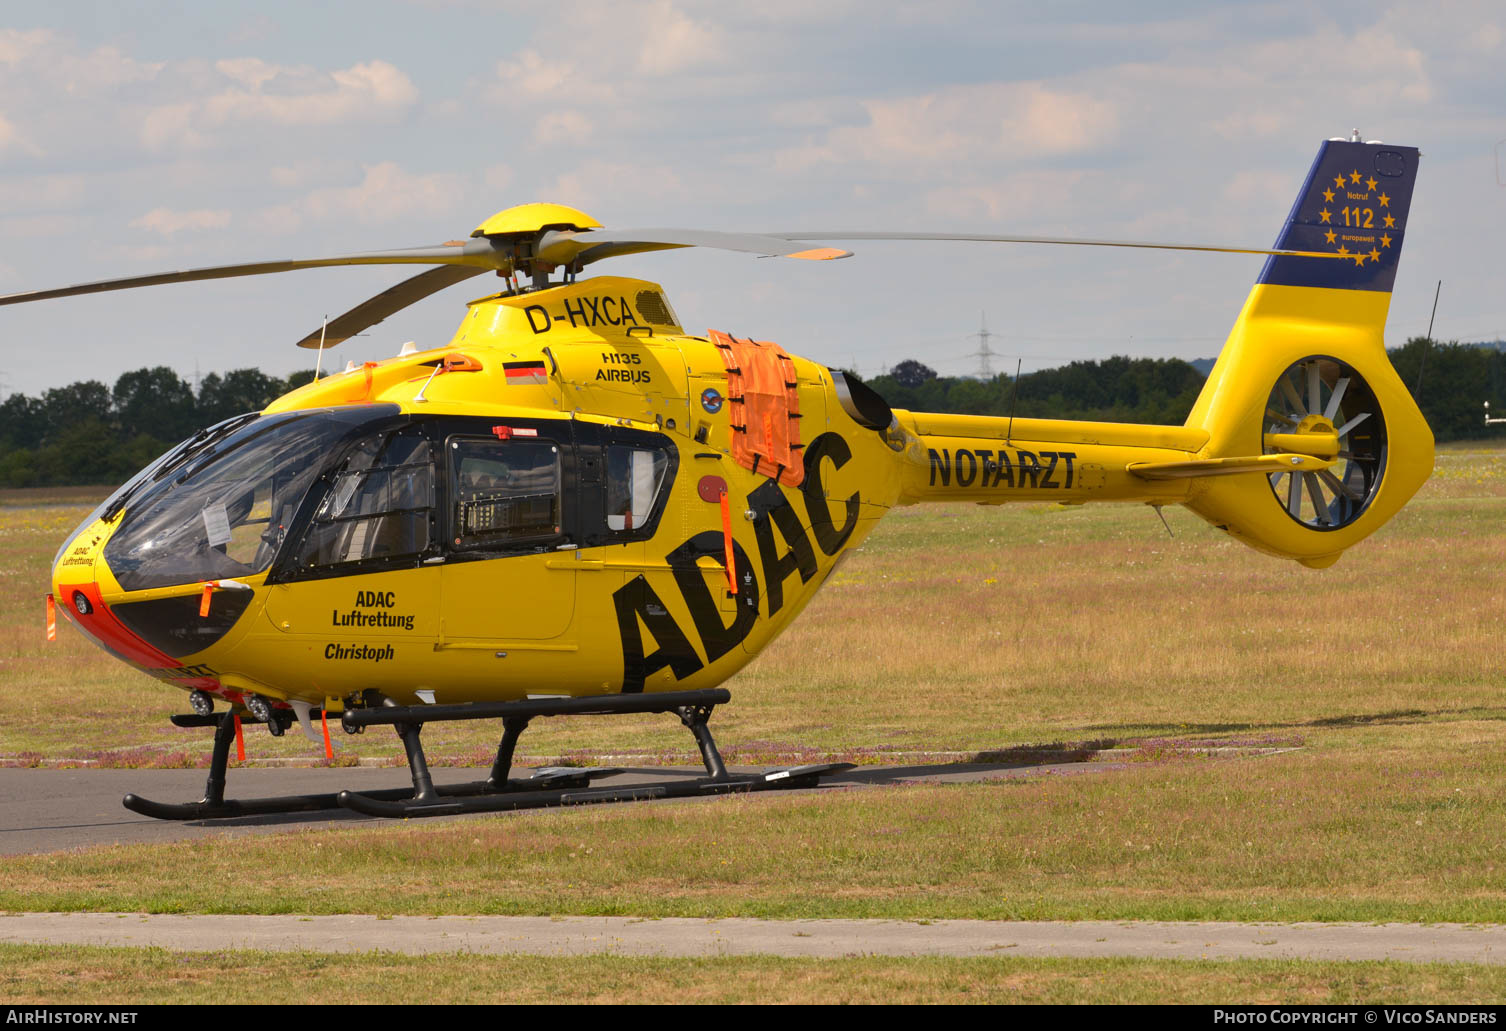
(958, 629)
(84, 975)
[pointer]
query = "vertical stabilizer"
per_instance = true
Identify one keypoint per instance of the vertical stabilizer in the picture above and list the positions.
(1354, 203)
(1305, 371)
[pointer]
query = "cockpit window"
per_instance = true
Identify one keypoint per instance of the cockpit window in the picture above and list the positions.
(224, 512)
(380, 504)
(164, 463)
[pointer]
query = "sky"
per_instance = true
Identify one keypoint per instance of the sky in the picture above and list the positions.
(150, 136)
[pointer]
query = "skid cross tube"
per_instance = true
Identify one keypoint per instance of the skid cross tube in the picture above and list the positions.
(588, 705)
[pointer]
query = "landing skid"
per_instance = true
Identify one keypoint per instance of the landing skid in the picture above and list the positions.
(555, 786)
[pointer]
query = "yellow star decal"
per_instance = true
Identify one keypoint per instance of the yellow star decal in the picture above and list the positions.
(1370, 183)
(1385, 201)
(1385, 240)
(1359, 259)
(1390, 222)
(1324, 215)
(1343, 250)
(1338, 181)
(1374, 254)
(1355, 176)
(1330, 237)
(1328, 196)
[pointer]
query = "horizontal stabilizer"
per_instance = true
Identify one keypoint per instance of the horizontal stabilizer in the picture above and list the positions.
(1268, 464)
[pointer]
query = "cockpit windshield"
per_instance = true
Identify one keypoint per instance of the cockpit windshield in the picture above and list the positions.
(222, 503)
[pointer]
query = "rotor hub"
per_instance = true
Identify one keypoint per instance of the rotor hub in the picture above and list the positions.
(531, 219)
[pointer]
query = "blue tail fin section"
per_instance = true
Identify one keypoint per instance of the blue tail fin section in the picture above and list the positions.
(1354, 203)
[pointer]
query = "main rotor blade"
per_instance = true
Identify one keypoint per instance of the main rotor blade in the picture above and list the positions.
(374, 309)
(481, 254)
(843, 235)
(561, 248)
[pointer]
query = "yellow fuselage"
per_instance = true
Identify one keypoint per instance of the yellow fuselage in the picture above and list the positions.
(598, 377)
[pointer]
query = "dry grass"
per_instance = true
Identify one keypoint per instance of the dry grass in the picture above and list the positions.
(1367, 825)
(92, 975)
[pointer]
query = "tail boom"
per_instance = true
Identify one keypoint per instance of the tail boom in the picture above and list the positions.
(993, 460)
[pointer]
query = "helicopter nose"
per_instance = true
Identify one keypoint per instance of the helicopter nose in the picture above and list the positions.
(86, 609)
(81, 604)
(74, 588)
(76, 594)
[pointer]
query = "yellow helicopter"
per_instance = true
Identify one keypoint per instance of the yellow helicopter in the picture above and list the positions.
(577, 506)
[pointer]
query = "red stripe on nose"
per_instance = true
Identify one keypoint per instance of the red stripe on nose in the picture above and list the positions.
(109, 633)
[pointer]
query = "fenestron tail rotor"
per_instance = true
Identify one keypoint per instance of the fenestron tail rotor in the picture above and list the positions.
(1322, 406)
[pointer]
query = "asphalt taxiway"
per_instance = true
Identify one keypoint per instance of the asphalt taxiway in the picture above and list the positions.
(43, 810)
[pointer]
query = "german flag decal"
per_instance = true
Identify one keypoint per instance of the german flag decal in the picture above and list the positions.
(523, 373)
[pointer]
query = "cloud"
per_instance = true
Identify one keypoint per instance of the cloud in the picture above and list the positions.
(170, 125)
(166, 222)
(1026, 195)
(302, 173)
(601, 183)
(103, 70)
(675, 42)
(497, 177)
(570, 127)
(530, 74)
(966, 123)
(33, 194)
(64, 98)
(10, 138)
(258, 93)
(385, 193)
(51, 227)
(41, 54)
(1259, 190)
(375, 89)
(635, 50)
(17, 45)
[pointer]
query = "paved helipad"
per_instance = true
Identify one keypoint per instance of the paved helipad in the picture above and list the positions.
(48, 810)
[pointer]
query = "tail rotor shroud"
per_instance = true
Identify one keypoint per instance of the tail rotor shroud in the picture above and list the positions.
(1326, 400)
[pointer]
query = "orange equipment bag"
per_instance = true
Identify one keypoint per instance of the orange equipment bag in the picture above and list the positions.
(764, 407)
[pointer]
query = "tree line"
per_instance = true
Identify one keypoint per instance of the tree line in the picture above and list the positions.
(88, 433)
(1455, 379)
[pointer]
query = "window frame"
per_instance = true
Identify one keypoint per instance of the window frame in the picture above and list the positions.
(337, 474)
(594, 440)
(287, 567)
(456, 548)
